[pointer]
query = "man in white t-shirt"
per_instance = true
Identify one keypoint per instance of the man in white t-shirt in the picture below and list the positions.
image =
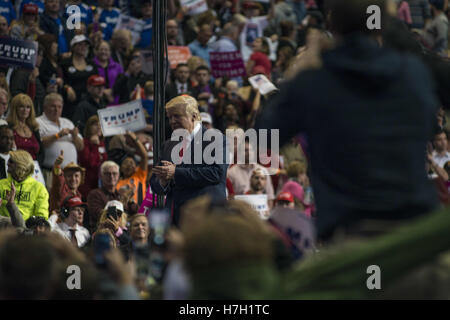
(255, 25)
(240, 175)
(57, 134)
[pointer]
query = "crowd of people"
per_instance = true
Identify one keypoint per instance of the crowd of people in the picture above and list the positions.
(363, 132)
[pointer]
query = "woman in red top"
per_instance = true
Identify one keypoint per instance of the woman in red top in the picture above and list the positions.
(260, 57)
(93, 154)
(25, 127)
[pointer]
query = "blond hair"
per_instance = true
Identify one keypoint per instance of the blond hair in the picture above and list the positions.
(24, 164)
(20, 100)
(52, 97)
(295, 168)
(104, 217)
(185, 101)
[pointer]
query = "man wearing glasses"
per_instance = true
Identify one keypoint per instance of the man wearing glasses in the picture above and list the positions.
(98, 198)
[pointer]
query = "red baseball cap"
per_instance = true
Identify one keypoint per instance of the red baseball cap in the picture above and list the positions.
(30, 8)
(96, 80)
(285, 196)
(75, 201)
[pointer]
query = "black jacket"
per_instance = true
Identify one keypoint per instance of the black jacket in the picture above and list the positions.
(86, 109)
(368, 114)
(19, 84)
(125, 85)
(172, 90)
(49, 25)
(191, 180)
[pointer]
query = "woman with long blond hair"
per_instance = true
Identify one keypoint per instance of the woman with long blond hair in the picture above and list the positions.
(22, 119)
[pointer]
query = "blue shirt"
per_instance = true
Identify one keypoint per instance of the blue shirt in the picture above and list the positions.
(146, 35)
(201, 51)
(62, 41)
(7, 10)
(86, 13)
(108, 21)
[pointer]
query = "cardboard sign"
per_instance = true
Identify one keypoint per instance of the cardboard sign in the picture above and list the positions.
(18, 53)
(118, 119)
(178, 54)
(261, 83)
(227, 64)
(134, 25)
(259, 202)
(195, 7)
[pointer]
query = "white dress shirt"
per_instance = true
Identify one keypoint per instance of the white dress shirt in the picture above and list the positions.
(81, 233)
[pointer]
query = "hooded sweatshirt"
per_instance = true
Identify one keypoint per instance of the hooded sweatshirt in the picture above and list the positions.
(31, 197)
(368, 114)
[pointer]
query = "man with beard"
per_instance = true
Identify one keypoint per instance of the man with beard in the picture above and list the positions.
(258, 182)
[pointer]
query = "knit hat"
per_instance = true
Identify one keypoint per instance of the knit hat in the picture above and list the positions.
(295, 189)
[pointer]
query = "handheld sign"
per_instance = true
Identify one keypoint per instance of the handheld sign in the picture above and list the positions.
(18, 53)
(261, 83)
(227, 64)
(118, 119)
(298, 227)
(135, 26)
(259, 202)
(178, 54)
(195, 7)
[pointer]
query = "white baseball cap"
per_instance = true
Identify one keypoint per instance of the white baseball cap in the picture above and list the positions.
(206, 117)
(79, 38)
(114, 203)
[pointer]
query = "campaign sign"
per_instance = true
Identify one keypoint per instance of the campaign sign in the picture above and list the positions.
(227, 64)
(178, 54)
(298, 227)
(118, 119)
(258, 202)
(18, 53)
(195, 7)
(134, 25)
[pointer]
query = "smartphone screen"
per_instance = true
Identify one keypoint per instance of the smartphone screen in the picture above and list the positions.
(112, 213)
(101, 245)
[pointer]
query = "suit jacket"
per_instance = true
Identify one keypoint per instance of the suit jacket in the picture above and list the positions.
(172, 90)
(191, 180)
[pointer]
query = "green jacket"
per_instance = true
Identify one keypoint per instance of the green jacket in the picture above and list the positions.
(31, 197)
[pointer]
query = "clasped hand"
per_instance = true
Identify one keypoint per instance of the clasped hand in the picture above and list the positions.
(165, 172)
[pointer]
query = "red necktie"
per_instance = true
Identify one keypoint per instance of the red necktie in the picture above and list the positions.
(183, 147)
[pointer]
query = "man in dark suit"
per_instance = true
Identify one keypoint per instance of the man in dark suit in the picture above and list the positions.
(6, 145)
(181, 85)
(190, 178)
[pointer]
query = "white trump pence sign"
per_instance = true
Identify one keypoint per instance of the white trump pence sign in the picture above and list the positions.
(118, 119)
